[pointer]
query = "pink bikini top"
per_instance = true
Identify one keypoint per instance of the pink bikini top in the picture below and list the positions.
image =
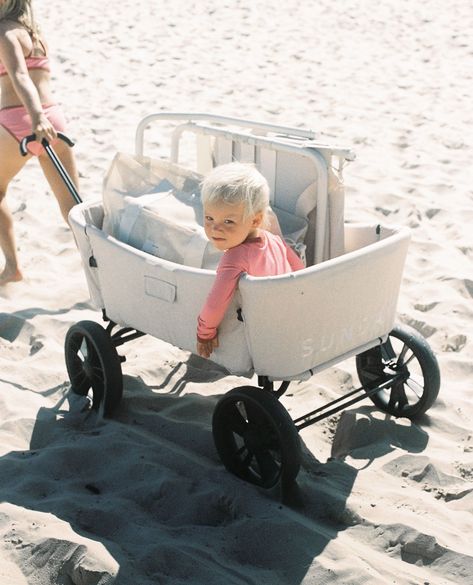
(33, 62)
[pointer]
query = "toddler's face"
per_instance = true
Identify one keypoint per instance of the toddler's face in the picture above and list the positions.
(226, 226)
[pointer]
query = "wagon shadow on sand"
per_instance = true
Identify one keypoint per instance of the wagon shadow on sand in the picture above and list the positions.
(148, 486)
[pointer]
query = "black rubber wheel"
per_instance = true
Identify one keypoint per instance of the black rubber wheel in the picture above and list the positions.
(93, 364)
(407, 358)
(256, 438)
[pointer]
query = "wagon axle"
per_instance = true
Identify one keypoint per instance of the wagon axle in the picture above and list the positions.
(325, 411)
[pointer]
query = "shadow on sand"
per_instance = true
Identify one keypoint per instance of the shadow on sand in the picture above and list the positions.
(148, 485)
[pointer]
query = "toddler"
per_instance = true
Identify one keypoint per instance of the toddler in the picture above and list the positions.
(235, 198)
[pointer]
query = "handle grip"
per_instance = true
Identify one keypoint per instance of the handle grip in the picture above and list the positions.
(55, 160)
(32, 137)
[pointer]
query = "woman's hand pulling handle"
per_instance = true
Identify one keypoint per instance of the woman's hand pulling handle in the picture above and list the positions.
(32, 137)
(43, 129)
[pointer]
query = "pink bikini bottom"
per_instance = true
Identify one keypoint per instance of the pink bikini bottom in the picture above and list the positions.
(16, 120)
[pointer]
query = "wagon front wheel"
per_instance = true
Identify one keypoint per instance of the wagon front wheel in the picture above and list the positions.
(406, 360)
(256, 438)
(93, 365)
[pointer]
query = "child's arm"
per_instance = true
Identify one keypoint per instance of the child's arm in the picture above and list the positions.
(218, 300)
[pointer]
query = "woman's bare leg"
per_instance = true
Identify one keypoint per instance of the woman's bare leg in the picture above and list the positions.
(65, 155)
(11, 163)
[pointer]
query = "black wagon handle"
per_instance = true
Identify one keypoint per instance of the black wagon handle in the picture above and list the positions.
(32, 137)
(55, 160)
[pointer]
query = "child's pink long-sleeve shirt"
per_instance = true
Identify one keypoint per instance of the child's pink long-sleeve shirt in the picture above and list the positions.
(266, 255)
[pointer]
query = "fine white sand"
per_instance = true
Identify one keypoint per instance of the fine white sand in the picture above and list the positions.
(142, 499)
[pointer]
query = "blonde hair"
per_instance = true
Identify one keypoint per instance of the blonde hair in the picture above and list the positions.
(20, 11)
(235, 183)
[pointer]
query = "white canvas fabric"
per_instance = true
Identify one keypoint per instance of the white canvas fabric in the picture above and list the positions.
(300, 321)
(292, 324)
(334, 244)
(168, 227)
(155, 206)
(135, 176)
(294, 184)
(152, 295)
(88, 217)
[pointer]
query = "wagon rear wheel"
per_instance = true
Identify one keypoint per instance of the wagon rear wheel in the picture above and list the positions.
(407, 359)
(256, 438)
(93, 365)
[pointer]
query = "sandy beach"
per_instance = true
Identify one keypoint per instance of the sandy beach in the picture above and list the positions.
(142, 498)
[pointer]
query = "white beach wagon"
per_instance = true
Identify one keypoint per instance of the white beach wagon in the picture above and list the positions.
(281, 328)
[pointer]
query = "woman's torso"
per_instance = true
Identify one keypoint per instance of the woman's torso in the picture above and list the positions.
(36, 57)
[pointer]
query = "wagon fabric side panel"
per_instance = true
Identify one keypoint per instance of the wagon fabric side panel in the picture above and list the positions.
(80, 218)
(163, 299)
(296, 322)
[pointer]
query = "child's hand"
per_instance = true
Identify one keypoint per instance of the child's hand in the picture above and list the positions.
(205, 348)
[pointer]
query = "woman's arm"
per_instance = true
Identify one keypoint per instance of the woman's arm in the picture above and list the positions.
(12, 57)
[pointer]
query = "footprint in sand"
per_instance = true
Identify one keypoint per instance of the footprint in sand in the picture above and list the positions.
(425, 308)
(454, 343)
(421, 326)
(469, 286)
(430, 478)
(431, 213)
(35, 344)
(14, 328)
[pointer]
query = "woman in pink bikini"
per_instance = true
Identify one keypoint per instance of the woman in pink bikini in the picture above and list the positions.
(26, 107)
(235, 198)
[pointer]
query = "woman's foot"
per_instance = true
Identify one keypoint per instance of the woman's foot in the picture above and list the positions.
(10, 276)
